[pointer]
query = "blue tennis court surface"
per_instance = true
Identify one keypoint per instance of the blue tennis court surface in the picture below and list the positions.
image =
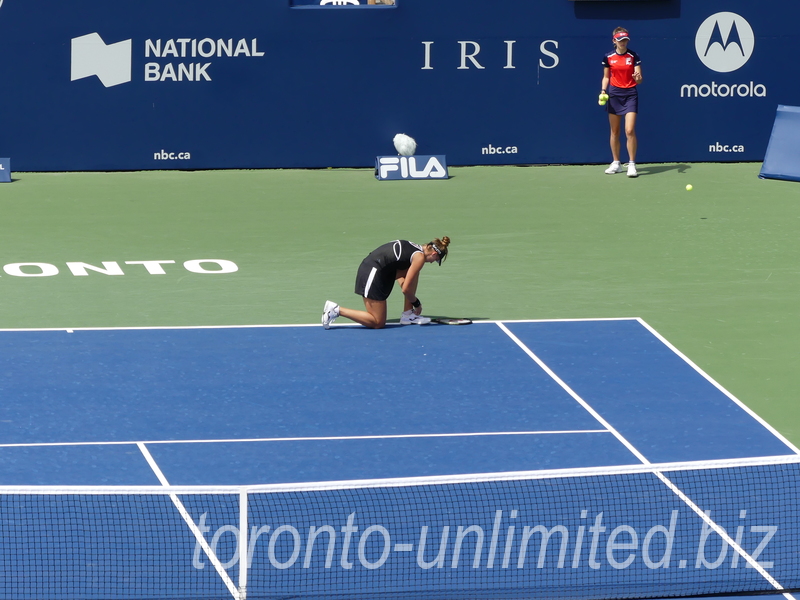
(289, 404)
(405, 410)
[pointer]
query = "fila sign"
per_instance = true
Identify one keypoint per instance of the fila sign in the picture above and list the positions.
(411, 167)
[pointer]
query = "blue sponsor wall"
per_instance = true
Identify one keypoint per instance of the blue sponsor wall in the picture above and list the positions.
(180, 84)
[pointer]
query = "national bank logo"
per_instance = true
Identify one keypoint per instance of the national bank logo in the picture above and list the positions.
(111, 63)
(171, 60)
(724, 42)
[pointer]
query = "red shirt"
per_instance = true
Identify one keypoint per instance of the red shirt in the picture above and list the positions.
(621, 67)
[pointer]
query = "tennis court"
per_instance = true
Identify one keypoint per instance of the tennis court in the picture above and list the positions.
(312, 426)
(211, 398)
(140, 362)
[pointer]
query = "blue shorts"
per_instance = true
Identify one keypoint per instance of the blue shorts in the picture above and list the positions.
(622, 101)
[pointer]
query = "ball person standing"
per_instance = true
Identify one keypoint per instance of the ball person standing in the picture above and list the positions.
(622, 72)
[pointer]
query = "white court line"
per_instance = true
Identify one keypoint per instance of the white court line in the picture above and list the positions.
(674, 488)
(575, 396)
(307, 439)
(711, 380)
(426, 480)
(646, 464)
(201, 540)
(284, 325)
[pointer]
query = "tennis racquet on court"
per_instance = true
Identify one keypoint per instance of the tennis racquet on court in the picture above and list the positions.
(449, 321)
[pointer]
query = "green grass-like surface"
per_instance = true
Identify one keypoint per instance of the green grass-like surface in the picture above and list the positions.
(714, 270)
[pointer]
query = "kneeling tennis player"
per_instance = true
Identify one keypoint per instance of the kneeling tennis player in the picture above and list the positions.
(399, 261)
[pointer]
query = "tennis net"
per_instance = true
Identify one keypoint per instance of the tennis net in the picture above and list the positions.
(649, 531)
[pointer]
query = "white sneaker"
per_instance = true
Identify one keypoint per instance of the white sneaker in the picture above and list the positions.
(329, 313)
(632, 170)
(613, 168)
(409, 318)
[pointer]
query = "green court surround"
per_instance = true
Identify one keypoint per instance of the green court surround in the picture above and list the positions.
(715, 270)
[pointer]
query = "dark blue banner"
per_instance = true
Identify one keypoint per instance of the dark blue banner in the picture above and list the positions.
(278, 84)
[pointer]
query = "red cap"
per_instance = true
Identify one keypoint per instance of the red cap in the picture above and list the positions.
(621, 35)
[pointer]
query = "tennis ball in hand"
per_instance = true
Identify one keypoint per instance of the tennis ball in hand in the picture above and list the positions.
(602, 99)
(688, 187)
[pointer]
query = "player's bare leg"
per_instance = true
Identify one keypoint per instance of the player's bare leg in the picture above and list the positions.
(374, 317)
(616, 125)
(614, 121)
(630, 134)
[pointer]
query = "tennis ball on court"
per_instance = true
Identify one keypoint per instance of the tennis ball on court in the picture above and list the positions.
(688, 187)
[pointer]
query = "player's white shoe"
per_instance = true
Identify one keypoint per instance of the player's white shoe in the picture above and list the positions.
(409, 318)
(614, 167)
(632, 170)
(329, 313)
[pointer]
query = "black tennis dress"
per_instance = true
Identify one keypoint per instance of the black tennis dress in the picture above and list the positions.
(378, 271)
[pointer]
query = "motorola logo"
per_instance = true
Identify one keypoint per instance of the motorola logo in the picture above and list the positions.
(724, 42)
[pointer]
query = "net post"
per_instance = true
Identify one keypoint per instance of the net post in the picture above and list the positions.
(244, 559)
